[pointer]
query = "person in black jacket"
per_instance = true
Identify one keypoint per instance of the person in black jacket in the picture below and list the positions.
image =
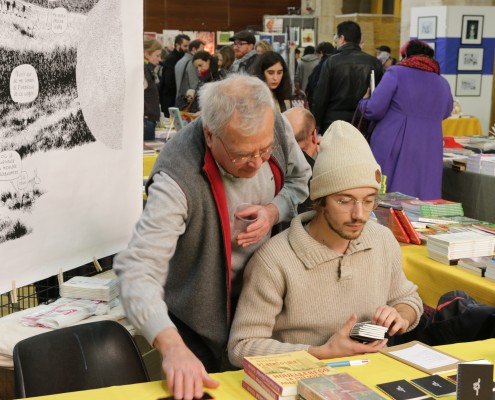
(323, 50)
(344, 78)
(168, 88)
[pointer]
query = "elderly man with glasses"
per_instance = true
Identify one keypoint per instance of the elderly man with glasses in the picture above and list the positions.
(244, 50)
(181, 275)
(307, 287)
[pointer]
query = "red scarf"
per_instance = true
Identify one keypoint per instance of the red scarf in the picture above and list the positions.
(422, 62)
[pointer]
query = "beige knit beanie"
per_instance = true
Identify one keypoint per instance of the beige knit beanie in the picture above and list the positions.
(345, 161)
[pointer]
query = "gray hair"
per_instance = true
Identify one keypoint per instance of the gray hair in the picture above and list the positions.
(245, 95)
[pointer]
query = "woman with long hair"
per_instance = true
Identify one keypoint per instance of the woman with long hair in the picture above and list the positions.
(226, 57)
(207, 66)
(408, 106)
(271, 68)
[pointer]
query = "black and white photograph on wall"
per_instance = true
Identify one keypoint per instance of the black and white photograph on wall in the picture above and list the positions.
(472, 29)
(427, 28)
(470, 59)
(468, 85)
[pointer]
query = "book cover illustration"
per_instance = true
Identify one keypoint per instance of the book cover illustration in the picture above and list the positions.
(436, 385)
(402, 390)
(475, 380)
(337, 386)
(281, 372)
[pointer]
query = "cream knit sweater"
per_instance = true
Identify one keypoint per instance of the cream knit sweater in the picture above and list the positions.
(297, 292)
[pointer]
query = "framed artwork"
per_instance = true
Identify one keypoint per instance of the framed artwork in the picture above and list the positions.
(472, 29)
(307, 37)
(427, 27)
(470, 59)
(223, 38)
(468, 85)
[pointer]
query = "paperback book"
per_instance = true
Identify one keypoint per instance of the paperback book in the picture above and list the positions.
(262, 393)
(436, 385)
(475, 380)
(337, 386)
(90, 288)
(280, 373)
(402, 390)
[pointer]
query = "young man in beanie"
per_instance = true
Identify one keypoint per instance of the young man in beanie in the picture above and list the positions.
(245, 54)
(307, 287)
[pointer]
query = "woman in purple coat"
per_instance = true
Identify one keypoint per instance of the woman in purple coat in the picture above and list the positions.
(408, 106)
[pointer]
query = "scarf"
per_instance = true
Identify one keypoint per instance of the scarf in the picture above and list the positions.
(422, 62)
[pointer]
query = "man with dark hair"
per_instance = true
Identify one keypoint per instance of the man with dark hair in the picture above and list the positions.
(323, 51)
(168, 88)
(186, 74)
(344, 78)
(245, 53)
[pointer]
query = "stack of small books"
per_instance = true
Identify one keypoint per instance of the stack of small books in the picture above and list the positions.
(476, 265)
(433, 208)
(481, 164)
(448, 248)
(336, 386)
(367, 332)
(90, 288)
(275, 376)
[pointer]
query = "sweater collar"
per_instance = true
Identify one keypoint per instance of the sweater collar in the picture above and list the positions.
(311, 252)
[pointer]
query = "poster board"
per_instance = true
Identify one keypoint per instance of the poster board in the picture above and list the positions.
(70, 134)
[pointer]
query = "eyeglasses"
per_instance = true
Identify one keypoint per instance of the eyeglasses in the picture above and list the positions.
(239, 44)
(264, 154)
(347, 204)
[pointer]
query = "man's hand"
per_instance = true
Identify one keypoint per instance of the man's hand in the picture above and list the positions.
(341, 345)
(267, 216)
(185, 374)
(391, 318)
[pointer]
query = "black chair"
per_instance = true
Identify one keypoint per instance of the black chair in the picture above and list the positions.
(87, 356)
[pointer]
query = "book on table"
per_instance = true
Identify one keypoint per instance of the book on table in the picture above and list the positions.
(336, 386)
(90, 288)
(385, 216)
(402, 390)
(475, 380)
(435, 385)
(433, 208)
(280, 373)
(261, 392)
(423, 357)
(476, 265)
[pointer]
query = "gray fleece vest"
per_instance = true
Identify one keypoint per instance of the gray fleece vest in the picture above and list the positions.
(197, 286)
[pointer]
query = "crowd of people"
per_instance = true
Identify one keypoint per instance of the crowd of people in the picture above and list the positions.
(206, 295)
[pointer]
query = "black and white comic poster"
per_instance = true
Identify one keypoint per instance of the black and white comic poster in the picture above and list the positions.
(70, 133)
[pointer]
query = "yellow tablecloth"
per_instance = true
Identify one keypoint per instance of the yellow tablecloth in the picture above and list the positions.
(148, 162)
(461, 127)
(381, 369)
(434, 278)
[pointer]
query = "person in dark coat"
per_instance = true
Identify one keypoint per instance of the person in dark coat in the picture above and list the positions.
(168, 88)
(344, 78)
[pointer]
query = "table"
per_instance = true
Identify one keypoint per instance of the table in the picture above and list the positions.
(461, 127)
(475, 191)
(434, 278)
(381, 369)
(148, 162)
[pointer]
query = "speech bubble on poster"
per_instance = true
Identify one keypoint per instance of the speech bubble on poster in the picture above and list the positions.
(10, 165)
(24, 84)
(59, 20)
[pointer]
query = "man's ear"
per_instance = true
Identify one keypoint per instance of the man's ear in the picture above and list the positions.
(208, 136)
(314, 136)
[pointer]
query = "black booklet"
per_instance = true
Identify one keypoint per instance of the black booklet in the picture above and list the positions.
(436, 385)
(475, 380)
(402, 390)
